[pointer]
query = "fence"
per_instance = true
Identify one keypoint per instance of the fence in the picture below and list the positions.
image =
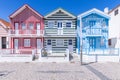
(103, 55)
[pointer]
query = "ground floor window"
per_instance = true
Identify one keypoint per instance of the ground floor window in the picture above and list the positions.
(48, 42)
(70, 42)
(27, 42)
(59, 42)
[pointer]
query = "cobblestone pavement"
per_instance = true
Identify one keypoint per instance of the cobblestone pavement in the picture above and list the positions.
(59, 71)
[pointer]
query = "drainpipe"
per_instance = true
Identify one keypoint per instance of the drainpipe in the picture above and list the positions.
(81, 54)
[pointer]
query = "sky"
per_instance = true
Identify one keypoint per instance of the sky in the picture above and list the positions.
(44, 7)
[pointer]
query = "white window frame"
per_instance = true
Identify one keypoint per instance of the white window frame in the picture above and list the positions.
(51, 24)
(58, 43)
(27, 43)
(68, 22)
(61, 25)
(31, 25)
(23, 26)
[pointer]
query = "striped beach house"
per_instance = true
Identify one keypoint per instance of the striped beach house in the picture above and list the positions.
(60, 31)
(92, 29)
(27, 30)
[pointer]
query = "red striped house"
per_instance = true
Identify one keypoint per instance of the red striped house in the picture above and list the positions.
(27, 29)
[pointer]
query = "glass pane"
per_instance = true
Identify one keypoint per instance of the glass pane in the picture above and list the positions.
(68, 24)
(23, 26)
(31, 26)
(26, 42)
(50, 23)
(49, 42)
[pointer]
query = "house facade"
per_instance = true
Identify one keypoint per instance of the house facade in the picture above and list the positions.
(27, 29)
(114, 27)
(60, 31)
(4, 37)
(92, 29)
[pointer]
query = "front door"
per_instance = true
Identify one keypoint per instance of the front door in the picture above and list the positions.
(60, 28)
(38, 43)
(38, 28)
(3, 42)
(92, 43)
(15, 43)
(70, 45)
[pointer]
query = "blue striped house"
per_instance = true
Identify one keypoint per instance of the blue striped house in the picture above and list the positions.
(92, 30)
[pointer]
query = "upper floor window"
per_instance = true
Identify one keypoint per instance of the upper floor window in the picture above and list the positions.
(16, 25)
(49, 42)
(26, 42)
(23, 25)
(31, 26)
(50, 24)
(92, 23)
(68, 24)
(116, 12)
(59, 24)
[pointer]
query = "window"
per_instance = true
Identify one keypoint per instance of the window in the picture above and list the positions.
(59, 42)
(23, 25)
(26, 42)
(116, 12)
(31, 26)
(16, 26)
(68, 24)
(50, 24)
(59, 24)
(48, 42)
(70, 42)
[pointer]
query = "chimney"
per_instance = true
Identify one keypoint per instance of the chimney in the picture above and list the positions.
(106, 10)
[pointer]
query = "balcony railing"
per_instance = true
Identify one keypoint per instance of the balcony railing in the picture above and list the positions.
(62, 32)
(94, 31)
(26, 32)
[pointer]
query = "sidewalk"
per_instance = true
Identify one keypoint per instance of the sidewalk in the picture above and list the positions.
(59, 71)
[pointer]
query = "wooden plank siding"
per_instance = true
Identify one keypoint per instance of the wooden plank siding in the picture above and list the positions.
(52, 33)
(62, 48)
(26, 15)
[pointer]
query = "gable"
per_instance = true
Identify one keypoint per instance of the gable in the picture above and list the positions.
(60, 14)
(17, 12)
(94, 11)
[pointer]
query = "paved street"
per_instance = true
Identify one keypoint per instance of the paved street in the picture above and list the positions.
(59, 71)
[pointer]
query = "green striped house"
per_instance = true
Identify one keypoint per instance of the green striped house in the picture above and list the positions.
(60, 31)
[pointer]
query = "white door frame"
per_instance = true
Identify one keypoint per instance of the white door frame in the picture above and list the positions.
(60, 29)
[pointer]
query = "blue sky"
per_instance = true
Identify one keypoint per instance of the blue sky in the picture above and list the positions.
(45, 6)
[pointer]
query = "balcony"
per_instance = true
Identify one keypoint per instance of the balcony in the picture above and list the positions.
(60, 32)
(94, 32)
(26, 33)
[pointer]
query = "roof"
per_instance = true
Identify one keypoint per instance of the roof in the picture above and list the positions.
(5, 23)
(21, 9)
(94, 10)
(114, 9)
(56, 10)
